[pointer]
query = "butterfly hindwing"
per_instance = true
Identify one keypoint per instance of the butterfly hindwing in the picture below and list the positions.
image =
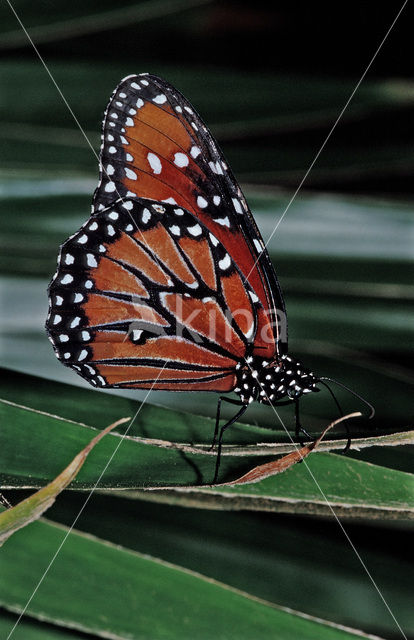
(155, 145)
(144, 289)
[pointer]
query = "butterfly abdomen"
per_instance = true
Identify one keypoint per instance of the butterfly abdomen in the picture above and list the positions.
(269, 382)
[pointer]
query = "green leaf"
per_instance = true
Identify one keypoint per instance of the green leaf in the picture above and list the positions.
(31, 629)
(251, 551)
(36, 445)
(144, 597)
(323, 484)
(31, 508)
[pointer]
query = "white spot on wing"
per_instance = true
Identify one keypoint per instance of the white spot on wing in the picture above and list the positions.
(130, 174)
(214, 240)
(216, 167)
(237, 205)
(258, 245)
(202, 202)
(146, 216)
(110, 187)
(154, 162)
(161, 99)
(91, 260)
(69, 259)
(225, 262)
(225, 222)
(67, 279)
(181, 160)
(195, 151)
(196, 230)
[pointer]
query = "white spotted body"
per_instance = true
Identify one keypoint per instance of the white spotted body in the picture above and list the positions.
(268, 382)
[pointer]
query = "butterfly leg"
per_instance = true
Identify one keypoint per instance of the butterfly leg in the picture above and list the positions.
(243, 408)
(216, 428)
(298, 427)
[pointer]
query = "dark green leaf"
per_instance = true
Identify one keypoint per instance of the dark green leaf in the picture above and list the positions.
(135, 596)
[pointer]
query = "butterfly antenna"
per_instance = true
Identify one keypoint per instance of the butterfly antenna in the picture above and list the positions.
(351, 391)
(348, 433)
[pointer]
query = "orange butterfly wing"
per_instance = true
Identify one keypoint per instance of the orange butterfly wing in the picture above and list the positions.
(146, 296)
(154, 145)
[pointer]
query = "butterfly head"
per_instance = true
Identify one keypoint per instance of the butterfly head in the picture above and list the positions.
(271, 381)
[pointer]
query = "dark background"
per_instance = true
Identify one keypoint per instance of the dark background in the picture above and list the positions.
(313, 53)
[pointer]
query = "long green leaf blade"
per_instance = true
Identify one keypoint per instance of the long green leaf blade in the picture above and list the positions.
(143, 598)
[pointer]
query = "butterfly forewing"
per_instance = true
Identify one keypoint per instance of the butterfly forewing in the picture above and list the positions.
(145, 293)
(156, 146)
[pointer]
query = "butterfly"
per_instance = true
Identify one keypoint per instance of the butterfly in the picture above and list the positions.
(169, 285)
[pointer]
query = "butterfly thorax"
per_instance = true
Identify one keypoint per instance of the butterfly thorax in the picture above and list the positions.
(269, 381)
